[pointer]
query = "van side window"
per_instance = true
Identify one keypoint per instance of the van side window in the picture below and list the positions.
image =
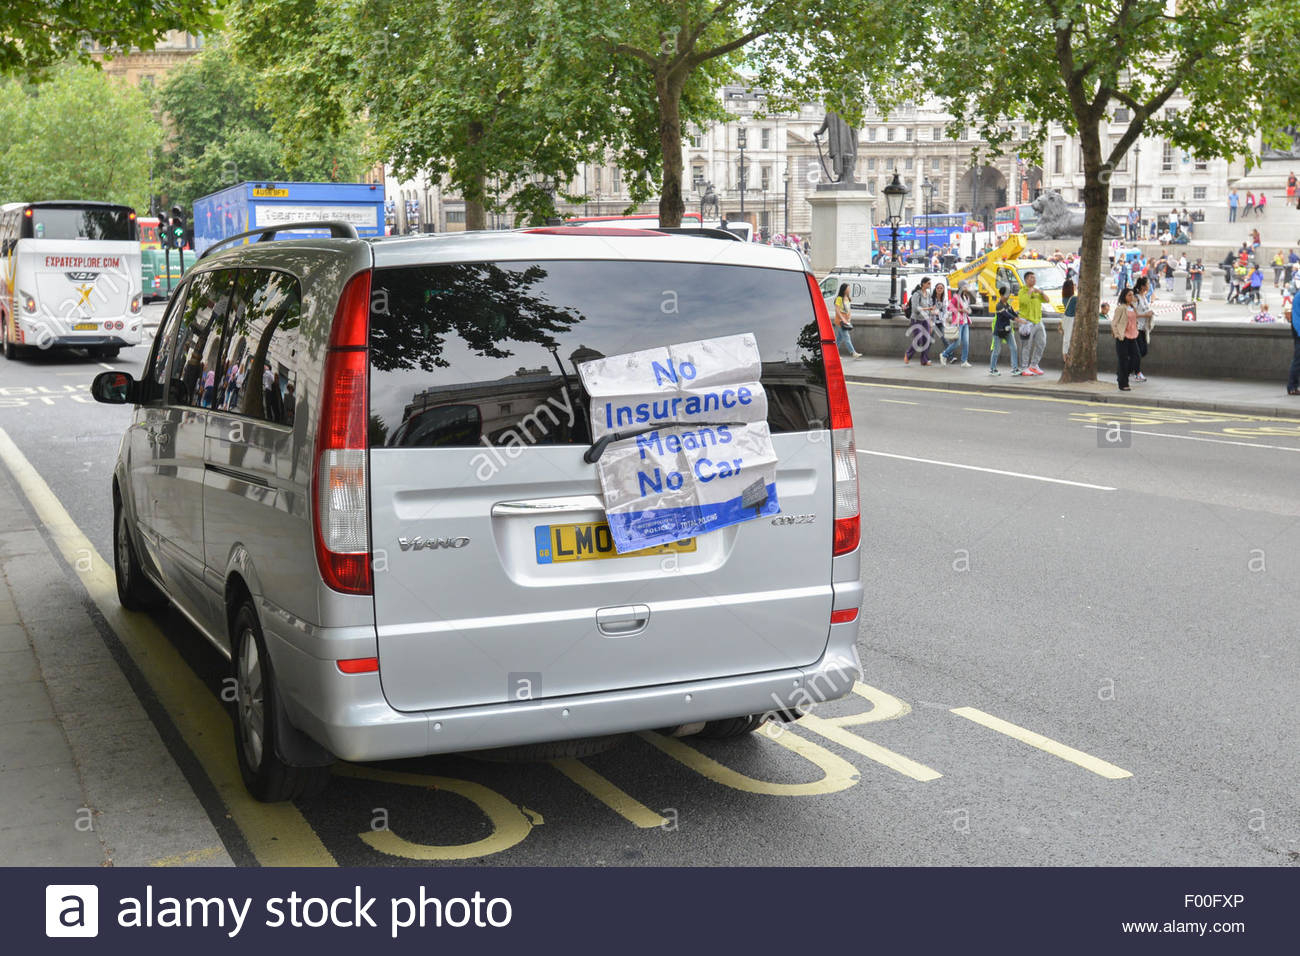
(154, 377)
(258, 372)
(197, 348)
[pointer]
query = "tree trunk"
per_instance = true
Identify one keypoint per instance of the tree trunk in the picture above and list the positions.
(668, 91)
(1082, 366)
(475, 210)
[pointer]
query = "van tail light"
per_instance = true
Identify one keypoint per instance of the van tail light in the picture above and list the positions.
(135, 305)
(844, 452)
(359, 665)
(29, 302)
(339, 493)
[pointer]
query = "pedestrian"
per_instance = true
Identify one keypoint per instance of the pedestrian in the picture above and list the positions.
(1169, 275)
(1255, 241)
(844, 322)
(941, 304)
(1069, 306)
(209, 387)
(920, 307)
(1195, 274)
(1123, 327)
(1250, 204)
(1004, 333)
(1293, 380)
(1279, 266)
(1031, 312)
(1290, 188)
(1146, 318)
(1254, 283)
(1259, 204)
(959, 305)
(1173, 223)
(1233, 201)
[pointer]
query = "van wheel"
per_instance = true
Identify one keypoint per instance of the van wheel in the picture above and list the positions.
(732, 727)
(11, 350)
(135, 591)
(267, 777)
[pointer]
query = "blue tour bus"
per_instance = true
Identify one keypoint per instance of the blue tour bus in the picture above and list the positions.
(925, 231)
(254, 205)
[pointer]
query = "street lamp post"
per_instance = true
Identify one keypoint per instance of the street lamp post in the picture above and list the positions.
(1137, 156)
(740, 142)
(928, 189)
(786, 176)
(895, 196)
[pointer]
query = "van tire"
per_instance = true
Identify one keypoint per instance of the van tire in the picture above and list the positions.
(731, 727)
(12, 352)
(551, 750)
(135, 591)
(257, 720)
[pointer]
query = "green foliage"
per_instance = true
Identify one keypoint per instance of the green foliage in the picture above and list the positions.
(79, 135)
(37, 34)
(220, 135)
(1076, 62)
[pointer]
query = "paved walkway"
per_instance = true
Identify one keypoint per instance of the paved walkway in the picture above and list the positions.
(85, 779)
(1245, 398)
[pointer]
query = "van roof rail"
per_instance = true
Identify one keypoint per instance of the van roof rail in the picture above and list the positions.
(707, 232)
(337, 228)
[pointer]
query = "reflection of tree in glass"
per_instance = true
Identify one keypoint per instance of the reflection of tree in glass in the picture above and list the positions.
(487, 305)
(810, 350)
(269, 303)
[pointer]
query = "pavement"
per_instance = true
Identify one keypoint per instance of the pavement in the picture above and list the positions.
(85, 777)
(1235, 397)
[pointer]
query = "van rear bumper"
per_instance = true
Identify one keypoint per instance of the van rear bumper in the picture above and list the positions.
(349, 715)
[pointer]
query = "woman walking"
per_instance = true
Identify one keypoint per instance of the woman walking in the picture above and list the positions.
(959, 304)
(844, 322)
(1124, 329)
(941, 318)
(1069, 304)
(920, 309)
(1004, 333)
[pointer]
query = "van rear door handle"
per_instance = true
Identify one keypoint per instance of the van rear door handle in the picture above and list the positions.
(623, 621)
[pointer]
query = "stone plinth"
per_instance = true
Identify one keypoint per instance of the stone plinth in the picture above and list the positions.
(841, 225)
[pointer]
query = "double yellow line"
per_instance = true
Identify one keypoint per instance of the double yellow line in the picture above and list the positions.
(277, 834)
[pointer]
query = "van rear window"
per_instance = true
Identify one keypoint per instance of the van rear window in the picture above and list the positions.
(487, 352)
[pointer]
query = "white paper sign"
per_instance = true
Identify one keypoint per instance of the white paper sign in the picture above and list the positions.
(698, 455)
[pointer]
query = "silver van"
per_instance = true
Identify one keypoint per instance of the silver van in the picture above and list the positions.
(361, 469)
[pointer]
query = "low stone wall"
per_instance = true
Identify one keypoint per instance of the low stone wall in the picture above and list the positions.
(1183, 349)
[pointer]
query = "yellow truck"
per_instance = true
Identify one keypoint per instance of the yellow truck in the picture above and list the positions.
(1003, 269)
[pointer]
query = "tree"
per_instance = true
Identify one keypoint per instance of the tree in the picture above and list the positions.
(79, 135)
(220, 135)
(494, 95)
(829, 50)
(37, 34)
(1075, 62)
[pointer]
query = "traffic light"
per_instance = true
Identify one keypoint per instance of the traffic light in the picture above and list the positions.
(176, 228)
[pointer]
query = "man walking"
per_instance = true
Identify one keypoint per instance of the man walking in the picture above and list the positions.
(1233, 200)
(1031, 311)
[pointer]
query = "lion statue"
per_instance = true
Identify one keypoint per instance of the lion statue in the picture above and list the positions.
(1056, 220)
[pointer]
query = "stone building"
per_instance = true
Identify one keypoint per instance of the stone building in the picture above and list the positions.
(150, 67)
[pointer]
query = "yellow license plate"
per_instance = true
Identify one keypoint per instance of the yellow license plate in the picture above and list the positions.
(86, 327)
(589, 542)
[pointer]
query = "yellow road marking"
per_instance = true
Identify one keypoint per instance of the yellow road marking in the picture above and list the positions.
(510, 825)
(837, 773)
(894, 401)
(608, 793)
(1000, 396)
(277, 834)
(190, 858)
(988, 411)
(884, 707)
(881, 755)
(1055, 748)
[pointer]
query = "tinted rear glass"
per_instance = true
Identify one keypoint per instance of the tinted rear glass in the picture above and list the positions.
(81, 222)
(472, 352)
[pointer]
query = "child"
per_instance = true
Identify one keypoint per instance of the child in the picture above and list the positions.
(1263, 315)
(1004, 331)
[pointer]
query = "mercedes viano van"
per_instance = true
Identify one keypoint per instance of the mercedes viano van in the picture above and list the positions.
(363, 470)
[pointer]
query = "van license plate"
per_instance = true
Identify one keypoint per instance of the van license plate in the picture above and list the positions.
(591, 541)
(86, 327)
